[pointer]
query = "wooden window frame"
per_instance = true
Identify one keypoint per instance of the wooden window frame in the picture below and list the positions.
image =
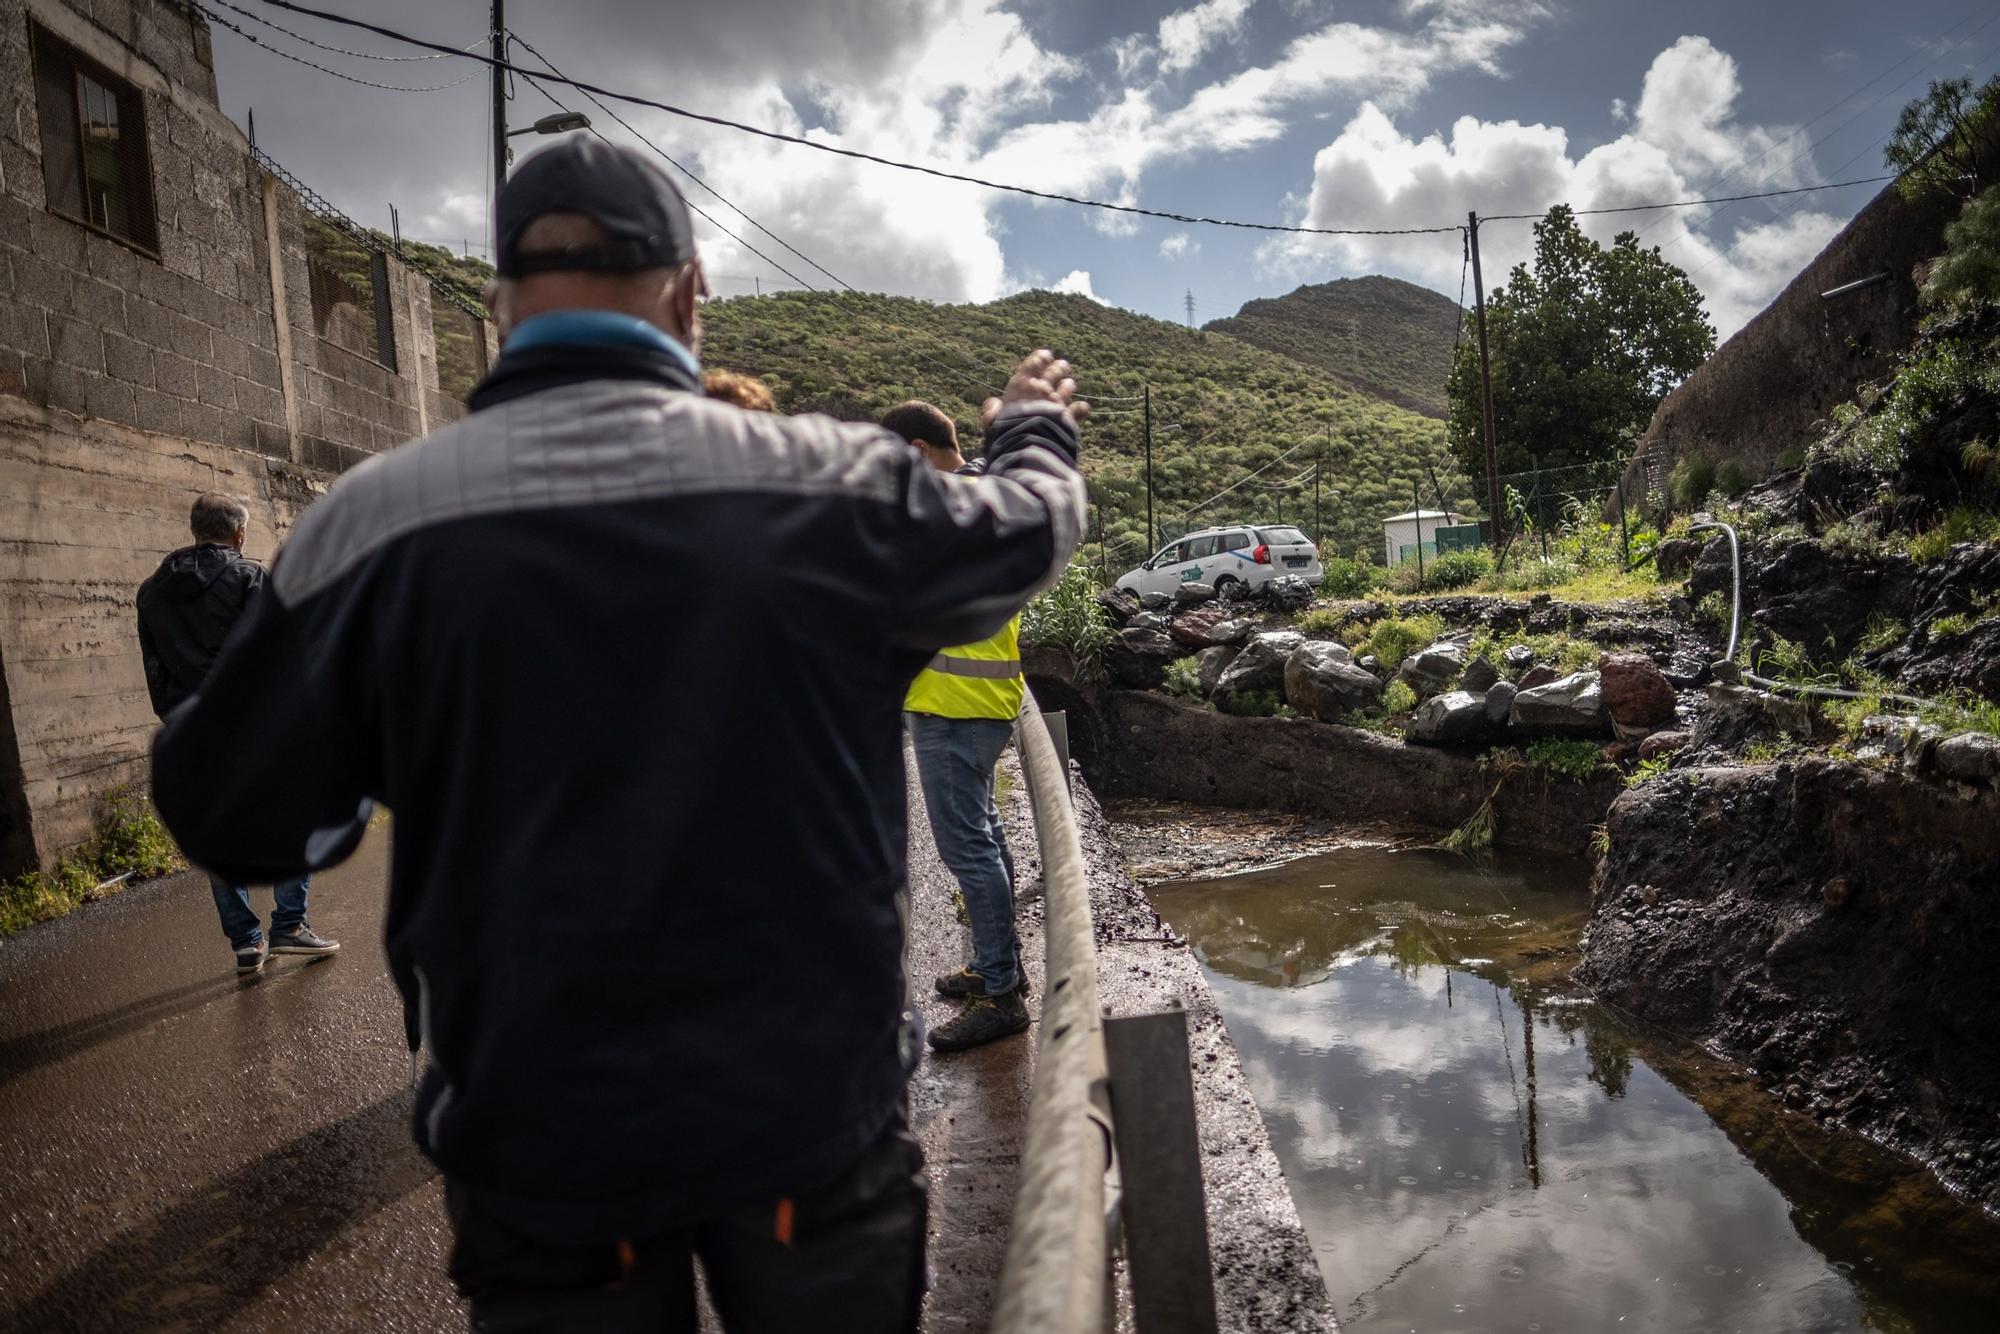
(81, 64)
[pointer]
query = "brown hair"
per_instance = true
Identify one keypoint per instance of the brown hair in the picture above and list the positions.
(745, 391)
(917, 420)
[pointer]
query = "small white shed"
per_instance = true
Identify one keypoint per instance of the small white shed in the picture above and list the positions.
(1407, 530)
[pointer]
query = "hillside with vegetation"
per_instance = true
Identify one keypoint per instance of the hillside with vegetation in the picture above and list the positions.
(1383, 336)
(1222, 408)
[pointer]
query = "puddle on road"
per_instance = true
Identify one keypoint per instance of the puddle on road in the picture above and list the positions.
(1473, 1146)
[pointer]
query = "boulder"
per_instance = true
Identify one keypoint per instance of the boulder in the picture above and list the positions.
(1194, 595)
(1457, 717)
(1518, 658)
(1972, 757)
(1634, 691)
(1500, 703)
(1155, 601)
(1234, 631)
(1212, 661)
(1191, 628)
(1261, 664)
(1478, 676)
(1288, 592)
(1675, 556)
(1433, 669)
(1321, 681)
(1572, 706)
(1663, 743)
(1540, 674)
(1368, 662)
(1118, 604)
(1137, 659)
(1152, 620)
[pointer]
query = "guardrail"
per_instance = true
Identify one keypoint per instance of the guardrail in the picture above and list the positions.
(1055, 1279)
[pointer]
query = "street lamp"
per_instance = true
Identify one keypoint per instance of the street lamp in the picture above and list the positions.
(562, 122)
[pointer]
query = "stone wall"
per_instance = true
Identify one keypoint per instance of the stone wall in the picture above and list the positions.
(132, 382)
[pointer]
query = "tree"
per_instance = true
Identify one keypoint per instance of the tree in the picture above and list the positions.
(1969, 269)
(1943, 142)
(1583, 346)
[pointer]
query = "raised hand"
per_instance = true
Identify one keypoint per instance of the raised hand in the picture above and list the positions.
(1042, 377)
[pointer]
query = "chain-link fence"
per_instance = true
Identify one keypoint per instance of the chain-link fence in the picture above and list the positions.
(1541, 501)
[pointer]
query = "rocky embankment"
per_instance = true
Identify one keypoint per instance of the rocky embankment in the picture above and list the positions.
(1832, 925)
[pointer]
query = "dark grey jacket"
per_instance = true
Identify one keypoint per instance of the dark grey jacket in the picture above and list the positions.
(187, 608)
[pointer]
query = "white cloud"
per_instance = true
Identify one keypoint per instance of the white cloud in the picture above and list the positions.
(1077, 282)
(1683, 139)
(1179, 245)
(1187, 36)
(1619, 111)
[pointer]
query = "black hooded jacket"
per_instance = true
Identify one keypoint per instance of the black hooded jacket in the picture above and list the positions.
(186, 610)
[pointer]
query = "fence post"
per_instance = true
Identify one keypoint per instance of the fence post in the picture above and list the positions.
(1541, 507)
(1417, 508)
(1624, 533)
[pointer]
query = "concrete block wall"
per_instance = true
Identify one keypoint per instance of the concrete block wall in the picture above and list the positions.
(131, 383)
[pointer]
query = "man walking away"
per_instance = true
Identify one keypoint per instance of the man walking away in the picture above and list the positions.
(960, 714)
(628, 664)
(186, 611)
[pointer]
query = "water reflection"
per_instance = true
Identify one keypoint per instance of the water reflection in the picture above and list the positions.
(1472, 1148)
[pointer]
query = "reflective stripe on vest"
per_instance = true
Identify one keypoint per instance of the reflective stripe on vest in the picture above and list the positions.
(980, 680)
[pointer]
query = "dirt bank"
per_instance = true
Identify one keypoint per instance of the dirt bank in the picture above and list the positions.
(1155, 746)
(1832, 926)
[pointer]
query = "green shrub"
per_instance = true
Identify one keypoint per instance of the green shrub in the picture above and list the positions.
(1962, 524)
(1319, 623)
(1067, 616)
(129, 840)
(1691, 481)
(1250, 704)
(1881, 632)
(1572, 761)
(1648, 770)
(1456, 569)
(1733, 478)
(1791, 457)
(1395, 637)
(1349, 578)
(1184, 679)
(1398, 698)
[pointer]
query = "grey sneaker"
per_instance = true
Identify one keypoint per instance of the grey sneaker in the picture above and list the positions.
(249, 959)
(303, 941)
(984, 1019)
(965, 984)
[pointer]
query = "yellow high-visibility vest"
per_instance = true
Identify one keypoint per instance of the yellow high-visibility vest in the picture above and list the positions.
(980, 680)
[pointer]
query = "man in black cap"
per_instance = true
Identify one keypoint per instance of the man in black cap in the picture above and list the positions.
(628, 665)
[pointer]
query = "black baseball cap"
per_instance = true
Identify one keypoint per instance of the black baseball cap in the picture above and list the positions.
(625, 192)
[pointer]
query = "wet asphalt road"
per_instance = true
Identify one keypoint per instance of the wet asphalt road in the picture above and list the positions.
(183, 1150)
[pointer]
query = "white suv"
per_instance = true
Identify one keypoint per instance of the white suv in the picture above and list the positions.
(1251, 556)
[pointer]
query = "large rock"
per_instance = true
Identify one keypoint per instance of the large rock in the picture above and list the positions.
(1572, 706)
(1137, 659)
(1191, 628)
(1288, 592)
(1538, 675)
(1634, 691)
(1155, 601)
(1212, 661)
(1152, 620)
(1323, 682)
(1500, 703)
(1194, 595)
(1455, 718)
(1675, 556)
(1433, 669)
(1118, 604)
(1478, 676)
(1519, 658)
(1663, 743)
(1971, 758)
(1261, 664)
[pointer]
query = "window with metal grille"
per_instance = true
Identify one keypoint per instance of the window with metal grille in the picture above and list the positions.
(461, 348)
(94, 164)
(349, 282)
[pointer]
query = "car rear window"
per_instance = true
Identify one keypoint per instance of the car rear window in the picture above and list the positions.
(1236, 541)
(1283, 537)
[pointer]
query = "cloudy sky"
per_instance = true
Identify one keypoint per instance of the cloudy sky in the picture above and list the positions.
(1327, 113)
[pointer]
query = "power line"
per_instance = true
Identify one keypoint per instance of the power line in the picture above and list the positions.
(1688, 203)
(255, 40)
(591, 89)
(481, 40)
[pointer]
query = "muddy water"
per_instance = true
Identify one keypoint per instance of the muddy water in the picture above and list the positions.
(1473, 1146)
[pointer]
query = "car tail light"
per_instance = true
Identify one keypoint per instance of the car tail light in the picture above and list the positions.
(1262, 555)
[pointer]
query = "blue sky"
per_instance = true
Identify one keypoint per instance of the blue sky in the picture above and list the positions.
(1368, 113)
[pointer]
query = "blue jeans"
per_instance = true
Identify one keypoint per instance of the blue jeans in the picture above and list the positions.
(232, 903)
(955, 763)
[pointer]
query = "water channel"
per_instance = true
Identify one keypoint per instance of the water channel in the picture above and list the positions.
(1475, 1146)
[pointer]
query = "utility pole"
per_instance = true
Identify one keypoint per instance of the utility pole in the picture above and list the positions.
(1190, 308)
(499, 41)
(1152, 533)
(1319, 522)
(1486, 389)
